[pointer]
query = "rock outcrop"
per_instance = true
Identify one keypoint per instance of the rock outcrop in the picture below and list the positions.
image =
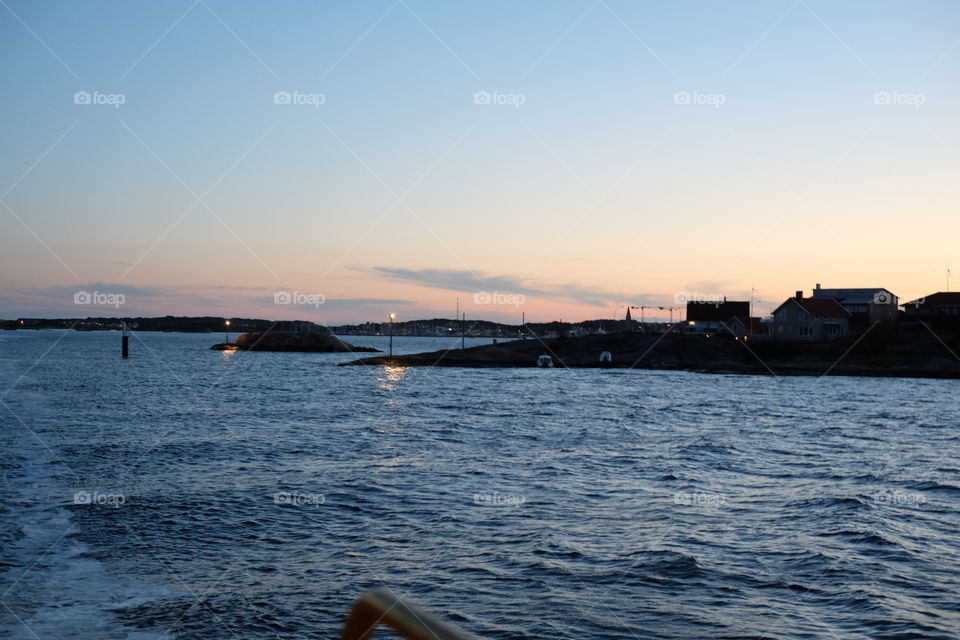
(317, 340)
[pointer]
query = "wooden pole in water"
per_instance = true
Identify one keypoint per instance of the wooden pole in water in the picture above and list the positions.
(392, 316)
(125, 342)
(463, 330)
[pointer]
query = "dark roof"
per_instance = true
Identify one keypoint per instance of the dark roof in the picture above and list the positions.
(818, 307)
(941, 298)
(855, 296)
(716, 311)
(823, 307)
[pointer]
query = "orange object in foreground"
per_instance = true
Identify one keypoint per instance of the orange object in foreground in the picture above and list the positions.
(383, 606)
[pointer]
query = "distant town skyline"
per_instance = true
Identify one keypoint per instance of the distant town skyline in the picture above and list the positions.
(111, 301)
(562, 160)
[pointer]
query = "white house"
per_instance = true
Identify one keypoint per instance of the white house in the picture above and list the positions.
(865, 305)
(800, 318)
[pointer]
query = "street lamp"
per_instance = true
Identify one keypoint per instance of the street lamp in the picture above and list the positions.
(393, 317)
(227, 325)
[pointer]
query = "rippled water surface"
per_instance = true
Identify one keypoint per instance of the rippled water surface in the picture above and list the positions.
(254, 495)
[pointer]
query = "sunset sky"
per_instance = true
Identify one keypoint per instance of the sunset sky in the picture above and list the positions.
(392, 156)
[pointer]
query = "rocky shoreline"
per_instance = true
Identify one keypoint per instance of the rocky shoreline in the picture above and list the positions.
(913, 356)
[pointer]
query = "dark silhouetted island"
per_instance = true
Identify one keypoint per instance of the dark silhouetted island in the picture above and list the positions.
(302, 337)
(886, 351)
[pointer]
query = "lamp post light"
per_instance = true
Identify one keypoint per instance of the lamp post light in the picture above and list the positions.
(393, 317)
(227, 325)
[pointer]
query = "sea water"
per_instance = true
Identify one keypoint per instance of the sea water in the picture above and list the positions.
(192, 493)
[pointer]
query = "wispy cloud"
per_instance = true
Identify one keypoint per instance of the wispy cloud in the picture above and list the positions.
(82, 299)
(711, 285)
(360, 304)
(472, 282)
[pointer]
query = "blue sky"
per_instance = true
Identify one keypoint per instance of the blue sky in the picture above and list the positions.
(819, 144)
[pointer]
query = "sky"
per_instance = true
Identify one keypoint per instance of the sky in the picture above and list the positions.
(340, 161)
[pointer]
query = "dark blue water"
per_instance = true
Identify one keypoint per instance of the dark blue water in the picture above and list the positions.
(201, 494)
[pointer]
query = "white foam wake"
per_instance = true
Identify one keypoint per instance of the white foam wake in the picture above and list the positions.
(50, 585)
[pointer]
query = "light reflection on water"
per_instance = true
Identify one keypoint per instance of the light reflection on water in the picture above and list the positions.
(392, 376)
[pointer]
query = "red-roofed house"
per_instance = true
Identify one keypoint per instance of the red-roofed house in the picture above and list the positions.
(800, 318)
(936, 305)
(941, 309)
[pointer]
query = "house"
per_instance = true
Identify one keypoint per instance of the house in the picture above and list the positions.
(942, 307)
(744, 326)
(866, 306)
(710, 316)
(800, 318)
